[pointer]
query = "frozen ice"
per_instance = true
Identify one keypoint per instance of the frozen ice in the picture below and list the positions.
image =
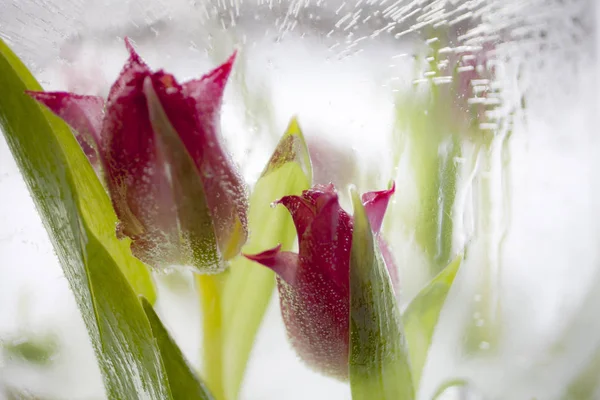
(338, 66)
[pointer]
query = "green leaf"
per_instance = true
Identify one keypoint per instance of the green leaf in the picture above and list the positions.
(421, 316)
(77, 214)
(246, 288)
(433, 148)
(183, 382)
(32, 132)
(379, 364)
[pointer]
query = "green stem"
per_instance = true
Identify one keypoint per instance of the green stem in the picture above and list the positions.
(484, 330)
(212, 349)
(434, 155)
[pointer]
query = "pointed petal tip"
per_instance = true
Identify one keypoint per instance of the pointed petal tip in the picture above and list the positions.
(43, 97)
(291, 200)
(267, 258)
(33, 93)
(286, 200)
(133, 55)
(232, 57)
(51, 100)
(379, 194)
(376, 204)
(392, 188)
(220, 74)
(293, 127)
(282, 263)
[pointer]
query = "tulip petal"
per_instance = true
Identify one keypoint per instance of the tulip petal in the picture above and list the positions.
(129, 77)
(283, 263)
(198, 245)
(82, 113)
(193, 110)
(325, 246)
(301, 210)
(375, 205)
(319, 195)
(208, 90)
(139, 187)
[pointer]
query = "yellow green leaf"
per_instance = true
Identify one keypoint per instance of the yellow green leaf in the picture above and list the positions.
(76, 212)
(241, 297)
(421, 316)
(183, 383)
(379, 362)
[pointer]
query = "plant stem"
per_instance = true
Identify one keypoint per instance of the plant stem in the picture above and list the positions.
(433, 152)
(212, 349)
(484, 331)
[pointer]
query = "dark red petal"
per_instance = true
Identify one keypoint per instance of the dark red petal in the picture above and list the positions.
(137, 181)
(375, 205)
(82, 113)
(319, 195)
(209, 89)
(316, 309)
(316, 316)
(325, 245)
(193, 109)
(129, 76)
(301, 210)
(283, 263)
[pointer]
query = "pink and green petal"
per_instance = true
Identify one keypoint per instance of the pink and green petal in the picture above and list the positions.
(82, 113)
(375, 206)
(193, 112)
(136, 178)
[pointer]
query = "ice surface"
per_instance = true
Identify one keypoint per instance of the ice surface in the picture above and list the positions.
(338, 66)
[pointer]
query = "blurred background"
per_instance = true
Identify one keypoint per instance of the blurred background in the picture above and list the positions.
(482, 111)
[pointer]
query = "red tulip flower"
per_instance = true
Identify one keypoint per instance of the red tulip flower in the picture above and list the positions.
(314, 285)
(157, 144)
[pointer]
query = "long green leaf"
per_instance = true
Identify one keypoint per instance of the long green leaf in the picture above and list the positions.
(80, 222)
(183, 383)
(247, 287)
(421, 316)
(32, 132)
(379, 364)
(433, 148)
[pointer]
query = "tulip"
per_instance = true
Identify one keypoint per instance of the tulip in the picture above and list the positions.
(314, 285)
(174, 188)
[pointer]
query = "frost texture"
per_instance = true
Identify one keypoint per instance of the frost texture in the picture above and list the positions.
(338, 66)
